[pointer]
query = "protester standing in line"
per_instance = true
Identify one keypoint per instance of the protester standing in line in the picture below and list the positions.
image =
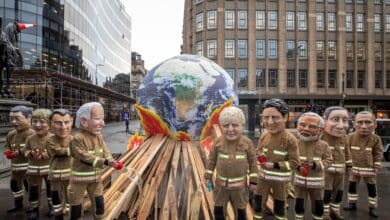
(278, 156)
(367, 153)
(20, 118)
(234, 158)
(336, 125)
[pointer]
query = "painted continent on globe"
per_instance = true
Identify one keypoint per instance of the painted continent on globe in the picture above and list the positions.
(184, 90)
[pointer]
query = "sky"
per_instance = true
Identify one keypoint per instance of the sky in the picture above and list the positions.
(156, 29)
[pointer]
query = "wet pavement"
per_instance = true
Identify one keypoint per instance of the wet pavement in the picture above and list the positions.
(117, 139)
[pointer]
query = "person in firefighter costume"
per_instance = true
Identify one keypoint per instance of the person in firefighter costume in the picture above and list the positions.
(314, 158)
(336, 125)
(38, 160)
(366, 151)
(20, 118)
(90, 155)
(278, 156)
(58, 147)
(234, 158)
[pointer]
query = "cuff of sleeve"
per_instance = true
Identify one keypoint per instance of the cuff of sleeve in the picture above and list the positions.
(68, 151)
(276, 165)
(253, 183)
(105, 162)
(314, 165)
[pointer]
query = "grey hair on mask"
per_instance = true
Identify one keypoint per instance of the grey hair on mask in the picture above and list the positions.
(279, 104)
(229, 113)
(85, 112)
(313, 114)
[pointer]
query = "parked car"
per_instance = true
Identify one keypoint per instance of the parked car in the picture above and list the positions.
(383, 130)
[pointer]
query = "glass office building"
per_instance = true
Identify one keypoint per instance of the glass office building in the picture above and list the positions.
(86, 39)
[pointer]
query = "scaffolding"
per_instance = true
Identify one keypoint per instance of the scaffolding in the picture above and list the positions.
(50, 89)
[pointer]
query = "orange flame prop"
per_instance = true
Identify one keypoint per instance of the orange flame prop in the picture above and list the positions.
(183, 136)
(152, 123)
(135, 141)
(214, 119)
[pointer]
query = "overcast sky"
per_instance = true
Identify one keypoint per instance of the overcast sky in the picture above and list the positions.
(156, 28)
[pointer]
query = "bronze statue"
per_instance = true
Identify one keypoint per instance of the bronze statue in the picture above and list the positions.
(10, 55)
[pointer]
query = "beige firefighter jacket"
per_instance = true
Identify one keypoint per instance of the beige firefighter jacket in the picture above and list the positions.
(59, 150)
(318, 152)
(233, 161)
(340, 153)
(90, 154)
(282, 150)
(33, 143)
(367, 153)
(15, 141)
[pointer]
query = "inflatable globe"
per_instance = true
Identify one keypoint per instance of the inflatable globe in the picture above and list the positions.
(184, 90)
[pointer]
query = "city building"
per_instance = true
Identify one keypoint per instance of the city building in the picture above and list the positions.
(75, 48)
(138, 72)
(311, 53)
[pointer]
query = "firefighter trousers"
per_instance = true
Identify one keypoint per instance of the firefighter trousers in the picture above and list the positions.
(76, 192)
(59, 195)
(333, 194)
(371, 188)
(17, 182)
(264, 188)
(35, 188)
(316, 198)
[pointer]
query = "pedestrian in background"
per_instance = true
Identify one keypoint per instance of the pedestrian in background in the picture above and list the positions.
(314, 158)
(335, 134)
(126, 117)
(278, 156)
(58, 146)
(234, 158)
(38, 161)
(367, 153)
(20, 118)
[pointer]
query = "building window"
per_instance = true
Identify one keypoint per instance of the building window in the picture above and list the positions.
(242, 77)
(302, 78)
(290, 20)
(388, 79)
(260, 20)
(229, 19)
(332, 78)
(348, 22)
(348, 1)
(331, 50)
(377, 2)
(320, 21)
(260, 44)
(242, 49)
(360, 51)
(302, 24)
(302, 45)
(377, 22)
(230, 71)
(378, 79)
(320, 79)
(378, 52)
(198, 1)
(272, 49)
(359, 1)
(199, 22)
(387, 23)
(361, 80)
(199, 48)
(359, 22)
(242, 19)
(290, 49)
(291, 78)
(211, 48)
(260, 80)
(349, 50)
(272, 20)
(273, 78)
(212, 19)
(320, 50)
(229, 48)
(331, 21)
(350, 79)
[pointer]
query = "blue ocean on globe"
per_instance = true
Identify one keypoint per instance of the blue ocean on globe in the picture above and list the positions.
(184, 90)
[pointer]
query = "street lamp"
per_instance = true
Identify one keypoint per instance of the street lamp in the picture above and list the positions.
(297, 69)
(343, 94)
(96, 67)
